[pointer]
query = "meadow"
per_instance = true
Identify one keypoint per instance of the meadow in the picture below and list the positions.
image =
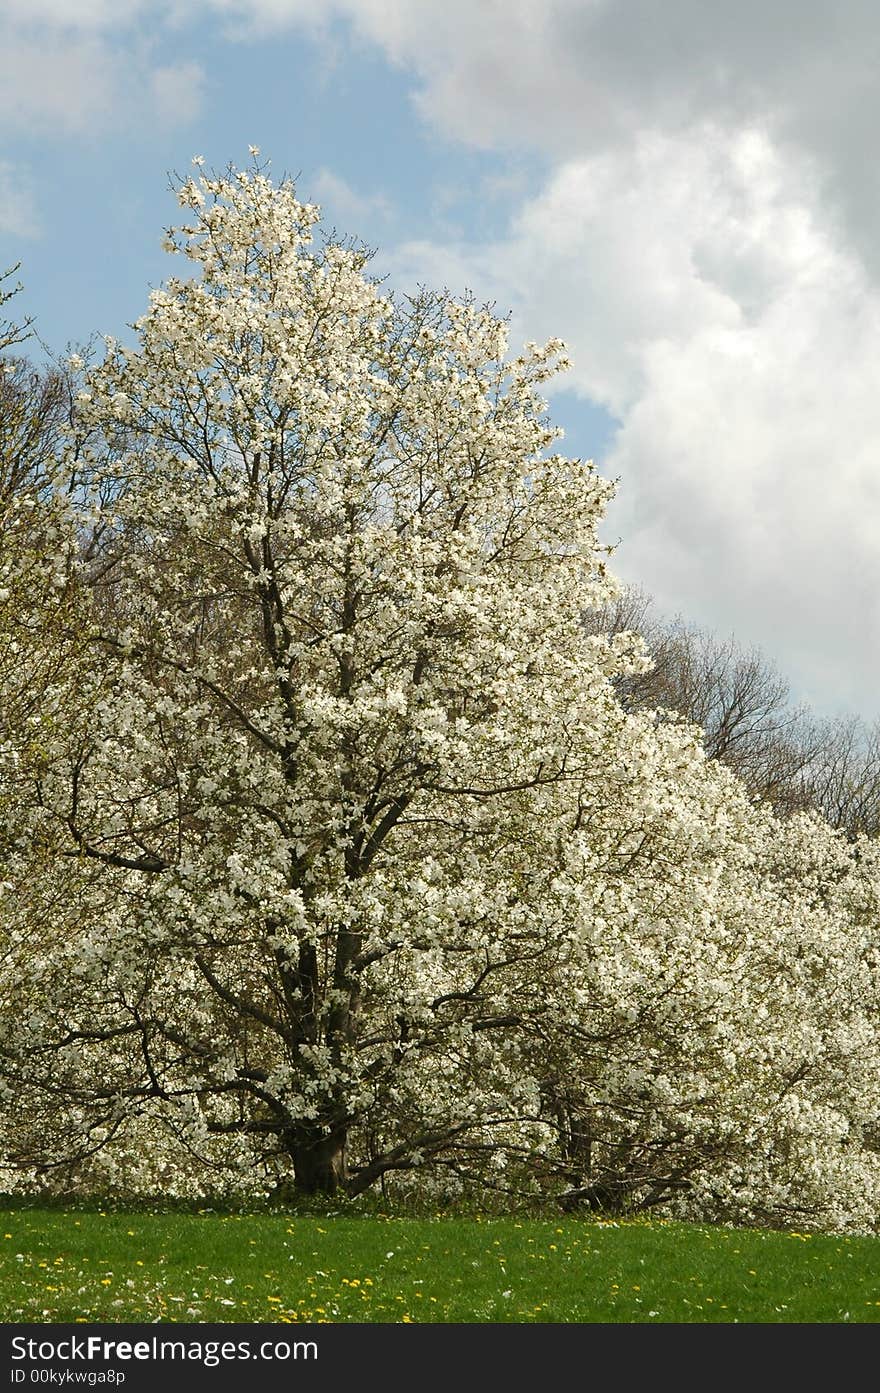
(64, 1265)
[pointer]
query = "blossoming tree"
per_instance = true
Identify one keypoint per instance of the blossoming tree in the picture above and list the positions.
(372, 871)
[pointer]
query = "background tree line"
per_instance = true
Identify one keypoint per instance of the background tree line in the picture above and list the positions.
(781, 750)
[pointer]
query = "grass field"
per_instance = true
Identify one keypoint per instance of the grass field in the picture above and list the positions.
(116, 1266)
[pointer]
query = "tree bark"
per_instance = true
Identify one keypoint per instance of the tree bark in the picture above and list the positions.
(319, 1161)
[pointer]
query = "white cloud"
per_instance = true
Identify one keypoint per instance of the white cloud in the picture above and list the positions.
(577, 75)
(178, 92)
(18, 212)
(70, 69)
(339, 196)
(74, 14)
(707, 240)
(255, 19)
(708, 303)
(55, 86)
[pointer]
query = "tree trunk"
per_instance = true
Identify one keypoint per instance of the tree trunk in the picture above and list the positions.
(319, 1162)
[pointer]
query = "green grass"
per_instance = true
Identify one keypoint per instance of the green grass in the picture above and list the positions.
(77, 1265)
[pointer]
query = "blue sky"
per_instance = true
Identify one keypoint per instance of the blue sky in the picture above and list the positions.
(327, 108)
(685, 193)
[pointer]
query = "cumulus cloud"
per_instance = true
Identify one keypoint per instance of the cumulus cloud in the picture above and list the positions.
(706, 239)
(574, 74)
(710, 306)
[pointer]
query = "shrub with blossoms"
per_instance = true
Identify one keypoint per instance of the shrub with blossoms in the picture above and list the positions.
(361, 870)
